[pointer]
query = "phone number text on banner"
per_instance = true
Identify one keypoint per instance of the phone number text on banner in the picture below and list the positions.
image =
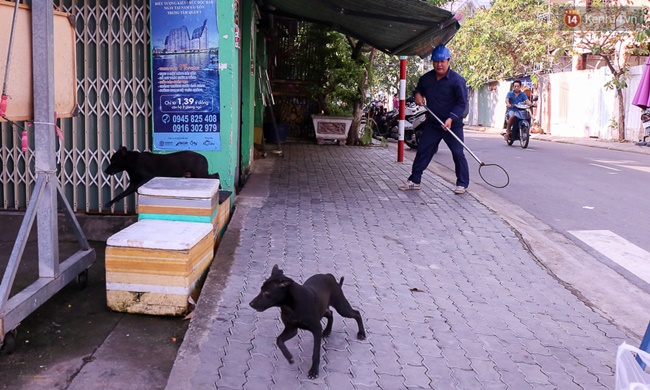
(185, 73)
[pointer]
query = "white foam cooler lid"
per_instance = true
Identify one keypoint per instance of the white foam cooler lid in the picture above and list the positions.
(180, 187)
(160, 234)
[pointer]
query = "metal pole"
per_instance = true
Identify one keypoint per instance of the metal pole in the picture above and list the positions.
(44, 135)
(402, 108)
(53, 275)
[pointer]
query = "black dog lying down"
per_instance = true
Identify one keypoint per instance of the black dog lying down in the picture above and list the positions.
(144, 166)
(303, 306)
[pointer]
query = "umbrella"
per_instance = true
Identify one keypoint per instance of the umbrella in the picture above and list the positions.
(642, 100)
(642, 96)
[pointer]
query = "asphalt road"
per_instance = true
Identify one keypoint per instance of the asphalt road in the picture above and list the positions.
(570, 187)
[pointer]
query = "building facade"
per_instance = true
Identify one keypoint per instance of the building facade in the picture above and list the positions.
(115, 108)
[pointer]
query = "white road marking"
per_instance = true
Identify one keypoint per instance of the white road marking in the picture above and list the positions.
(604, 166)
(629, 164)
(637, 168)
(616, 162)
(617, 249)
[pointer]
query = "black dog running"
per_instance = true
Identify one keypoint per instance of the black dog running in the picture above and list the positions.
(303, 306)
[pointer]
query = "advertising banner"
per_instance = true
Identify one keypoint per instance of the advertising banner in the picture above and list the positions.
(185, 75)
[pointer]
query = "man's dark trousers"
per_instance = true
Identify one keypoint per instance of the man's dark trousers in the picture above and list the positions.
(428, 146)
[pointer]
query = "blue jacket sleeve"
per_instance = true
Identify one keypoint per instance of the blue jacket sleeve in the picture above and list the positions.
(460, 94)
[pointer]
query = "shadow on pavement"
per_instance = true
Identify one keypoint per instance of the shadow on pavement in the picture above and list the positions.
(74, 340)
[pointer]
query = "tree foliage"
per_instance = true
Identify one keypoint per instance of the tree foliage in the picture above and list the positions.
(385, 73)
(612, 31)
(347, 71)
(339, 76)
(511, 38)
(522, 37)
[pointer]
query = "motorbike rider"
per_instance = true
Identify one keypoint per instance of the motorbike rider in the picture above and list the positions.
(513, 97)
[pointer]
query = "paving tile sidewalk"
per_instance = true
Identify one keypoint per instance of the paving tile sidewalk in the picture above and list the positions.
(450, 297)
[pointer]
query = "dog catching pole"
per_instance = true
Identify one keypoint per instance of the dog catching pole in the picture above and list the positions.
(490, 172)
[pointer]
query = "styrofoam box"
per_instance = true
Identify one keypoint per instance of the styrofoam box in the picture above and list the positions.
(153, 266)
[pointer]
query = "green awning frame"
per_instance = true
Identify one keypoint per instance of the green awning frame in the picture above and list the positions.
(396, 27)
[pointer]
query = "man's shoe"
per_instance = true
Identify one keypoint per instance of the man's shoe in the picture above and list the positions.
(409, 185)
(459, 190)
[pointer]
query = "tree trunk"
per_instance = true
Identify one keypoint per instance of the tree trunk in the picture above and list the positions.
(617, 75)
(357, 113)
(621, 116)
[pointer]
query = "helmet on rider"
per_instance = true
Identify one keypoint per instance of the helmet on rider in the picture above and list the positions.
(440, 53)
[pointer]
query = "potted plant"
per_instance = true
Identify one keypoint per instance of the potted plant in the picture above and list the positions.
(334, 126)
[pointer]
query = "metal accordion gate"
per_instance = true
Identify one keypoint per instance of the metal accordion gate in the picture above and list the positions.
(113, 95)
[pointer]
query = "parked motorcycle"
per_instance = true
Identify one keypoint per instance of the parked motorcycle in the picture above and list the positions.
(387, 125)
(521, 126)
(377, 117)
(374, 109)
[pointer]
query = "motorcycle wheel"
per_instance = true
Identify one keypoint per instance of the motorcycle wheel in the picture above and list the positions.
(375, 128)
(524, 134)
(411, 140)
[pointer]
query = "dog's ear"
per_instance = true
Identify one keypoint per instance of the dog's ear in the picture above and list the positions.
(276, 271)
(122, 150)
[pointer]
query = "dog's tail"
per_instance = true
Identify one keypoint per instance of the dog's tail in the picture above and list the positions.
(341, 282)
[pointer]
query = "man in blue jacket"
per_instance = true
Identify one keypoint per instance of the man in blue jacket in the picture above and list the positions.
(514, 97)
(445, 93)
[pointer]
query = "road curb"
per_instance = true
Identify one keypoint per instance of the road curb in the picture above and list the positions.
(188, 360)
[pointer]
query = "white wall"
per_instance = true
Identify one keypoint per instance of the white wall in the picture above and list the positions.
(579, 104)
(572, 104)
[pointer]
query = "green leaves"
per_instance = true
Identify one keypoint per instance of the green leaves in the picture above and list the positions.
(339, 77)
(521, 37)
(385, 73)
(512, 38)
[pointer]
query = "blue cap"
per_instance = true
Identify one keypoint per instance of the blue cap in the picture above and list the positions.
(440, 53)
